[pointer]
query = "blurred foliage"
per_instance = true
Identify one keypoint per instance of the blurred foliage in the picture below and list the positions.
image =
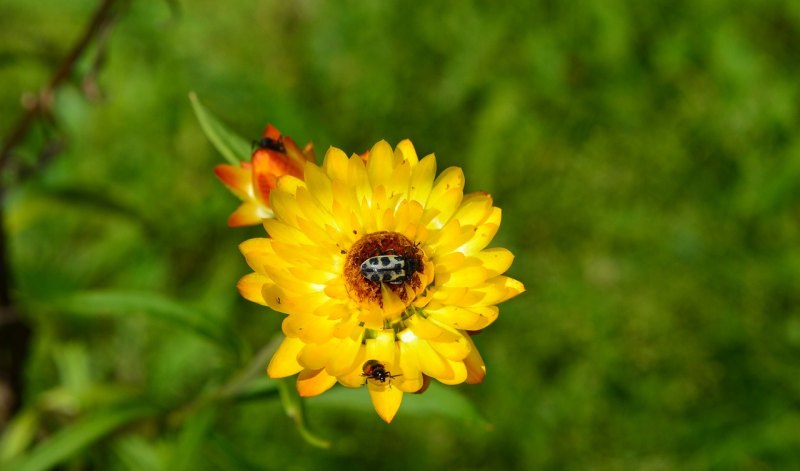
(645, 154)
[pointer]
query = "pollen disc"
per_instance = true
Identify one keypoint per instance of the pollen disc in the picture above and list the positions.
(374, 246)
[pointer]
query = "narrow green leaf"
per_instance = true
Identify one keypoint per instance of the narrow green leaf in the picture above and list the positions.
(135, 453)
(253, 381)
(78, 436)
(233, 147)
(18, 434)
(227, 456)
(72, 362)
(293, 405)
(157, 306)
(441, 400)
(446, 401)
(92, 199)
(257, 389)
(190, 442)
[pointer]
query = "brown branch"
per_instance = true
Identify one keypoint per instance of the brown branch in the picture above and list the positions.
(45, 97)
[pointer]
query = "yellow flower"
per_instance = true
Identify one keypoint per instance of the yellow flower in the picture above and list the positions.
(274, 156)
(383, 274)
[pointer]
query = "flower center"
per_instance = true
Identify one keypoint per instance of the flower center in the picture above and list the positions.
(387, 259)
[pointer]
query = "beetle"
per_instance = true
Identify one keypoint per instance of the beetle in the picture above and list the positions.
(373, 369)
(389, 267)
(270, 144)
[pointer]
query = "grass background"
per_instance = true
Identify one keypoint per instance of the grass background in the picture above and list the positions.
(645, 154)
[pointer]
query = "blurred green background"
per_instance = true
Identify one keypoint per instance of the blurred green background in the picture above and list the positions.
(645, 154)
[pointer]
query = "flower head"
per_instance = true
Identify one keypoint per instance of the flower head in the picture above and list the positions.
(383, 273)
(274, 155)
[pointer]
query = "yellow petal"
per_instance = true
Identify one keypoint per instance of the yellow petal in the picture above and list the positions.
(476, 369)
(284, 361)
(455, 350)
(484, 234)
(422, 180)
(474, 209)
(405, 150)
(289, 184)
(288, 282)
(411, 381)
(457, 295)
(493, 291)
(448, 238)
(398, 183)
(336, 289)
(385, 399)
(460, 373)
(451, 179)
(345, 358)
(406, 217)
(467, 276)
(322, 238)
(283, 254)
(430, 362)
(319, 185)
(452, 261)
(317, 275)
(250, 287)
(380, 164)
(313, 383)
(236, 179)
(310, 328)
(462, 318)
(285, 207)
(354, 378)
(257, 253)
(345, 195)
(283, 232)
(495, 260)
(382, 347)
(312, 211)
(371, 317)
(316, 356)
(335, 164)
(423, 328)
(289, 302)
(440, 209)
(387, 221)
(358, 179)
(335, 309)
(393, 306)
(287, 254)
(249, 213)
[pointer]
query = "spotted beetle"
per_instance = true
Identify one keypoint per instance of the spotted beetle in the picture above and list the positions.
(388, 267)
(373, 369)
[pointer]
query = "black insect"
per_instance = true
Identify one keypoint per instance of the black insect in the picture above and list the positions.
(375, 370)
(388, 267)
(271, 144)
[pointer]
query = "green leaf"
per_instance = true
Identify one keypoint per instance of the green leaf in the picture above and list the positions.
(233, 147)
(135, 453)
(190, 442)
(257, 389)
(159, 307)
(252, 382)
(227, 456)
(443, 400)
(438, 399)
(78, 436)
(72, 362)
(18, 434)
(293, 406)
